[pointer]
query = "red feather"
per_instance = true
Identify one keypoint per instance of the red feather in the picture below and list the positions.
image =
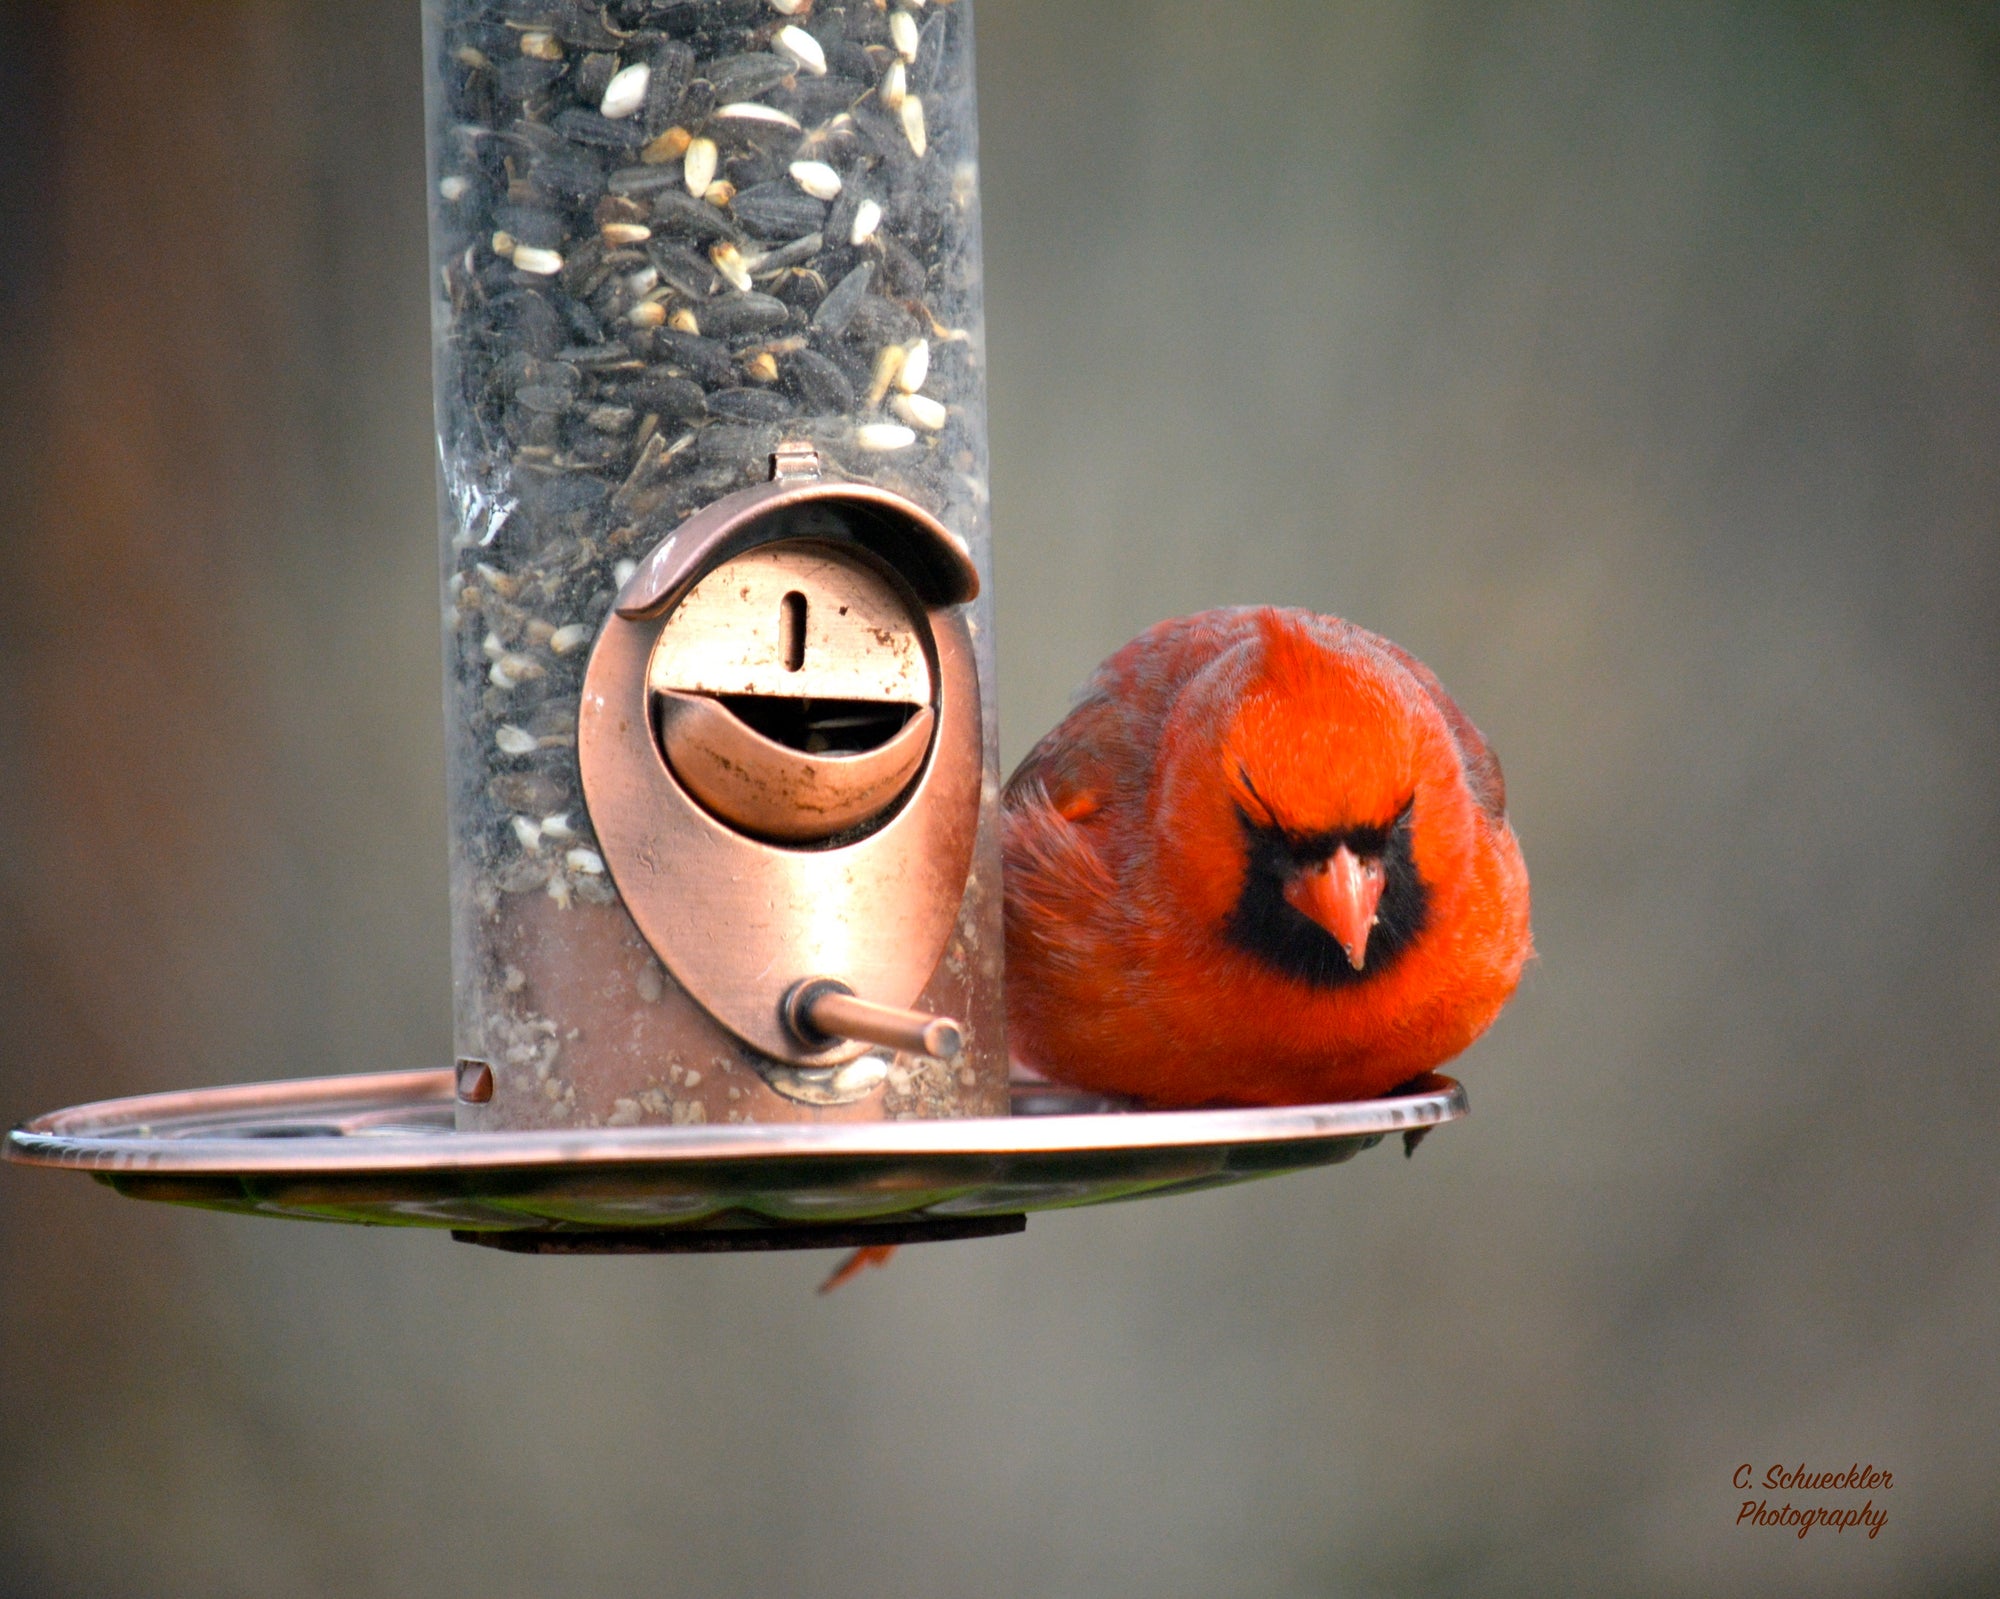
(1158, 939)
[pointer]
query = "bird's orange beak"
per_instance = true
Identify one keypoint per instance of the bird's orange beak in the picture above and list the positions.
(1341, 895)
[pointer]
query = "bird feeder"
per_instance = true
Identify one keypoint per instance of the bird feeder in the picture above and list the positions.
(719, 680)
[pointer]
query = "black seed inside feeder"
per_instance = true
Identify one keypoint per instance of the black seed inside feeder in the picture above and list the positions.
(719, 685)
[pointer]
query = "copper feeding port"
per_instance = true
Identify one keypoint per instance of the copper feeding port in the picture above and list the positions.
(793, 691)
(822, 1011)
(779, 741)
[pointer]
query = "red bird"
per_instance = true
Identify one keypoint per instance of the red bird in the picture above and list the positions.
(1265, 861)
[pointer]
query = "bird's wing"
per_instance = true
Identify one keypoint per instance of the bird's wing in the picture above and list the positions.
(1074, 770)
(1062, 897)
(1109, 745)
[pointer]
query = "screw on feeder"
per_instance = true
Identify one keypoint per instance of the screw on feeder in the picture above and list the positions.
(822, 1010)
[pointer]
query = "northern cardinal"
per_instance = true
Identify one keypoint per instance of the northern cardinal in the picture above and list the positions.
(1265, 860)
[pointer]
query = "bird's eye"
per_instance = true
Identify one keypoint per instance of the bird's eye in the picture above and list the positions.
(1249, 801)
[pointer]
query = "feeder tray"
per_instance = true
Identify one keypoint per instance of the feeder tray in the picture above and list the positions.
(380, 1149)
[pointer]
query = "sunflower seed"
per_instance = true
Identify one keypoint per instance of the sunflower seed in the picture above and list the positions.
(749, 111)
(731, 314)
(882, 437)
(673, 70)
(895, 88)
(675, 212)
(888, 363)
(746, 76)
(867, 218)
(599, 131)
(771, 262)
(749, 405)
(777, 211)
(817, 178)
(675, 399)
(819, 384)
(698, 166)
(542, 263)
(903, 34)
(593, 75)
(843, 301)
(802, 47)
(920, 411)
(915, 368)
(729, 262)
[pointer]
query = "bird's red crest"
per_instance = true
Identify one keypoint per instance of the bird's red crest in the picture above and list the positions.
(1322, 701)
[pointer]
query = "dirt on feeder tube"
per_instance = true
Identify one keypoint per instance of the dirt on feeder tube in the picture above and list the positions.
(670, 235)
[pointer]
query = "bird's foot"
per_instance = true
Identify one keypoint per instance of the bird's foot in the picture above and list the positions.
(1422, 1083)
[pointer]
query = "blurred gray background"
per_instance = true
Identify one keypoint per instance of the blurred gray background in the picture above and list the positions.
(1637, 366)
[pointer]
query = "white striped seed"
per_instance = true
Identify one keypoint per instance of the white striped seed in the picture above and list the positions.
(803, 48)
(888, 362)
(698, 170)
(626, 92)
(817, 178)
(884, 436)
(920, 411)
(751, 111)
(539, 263)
